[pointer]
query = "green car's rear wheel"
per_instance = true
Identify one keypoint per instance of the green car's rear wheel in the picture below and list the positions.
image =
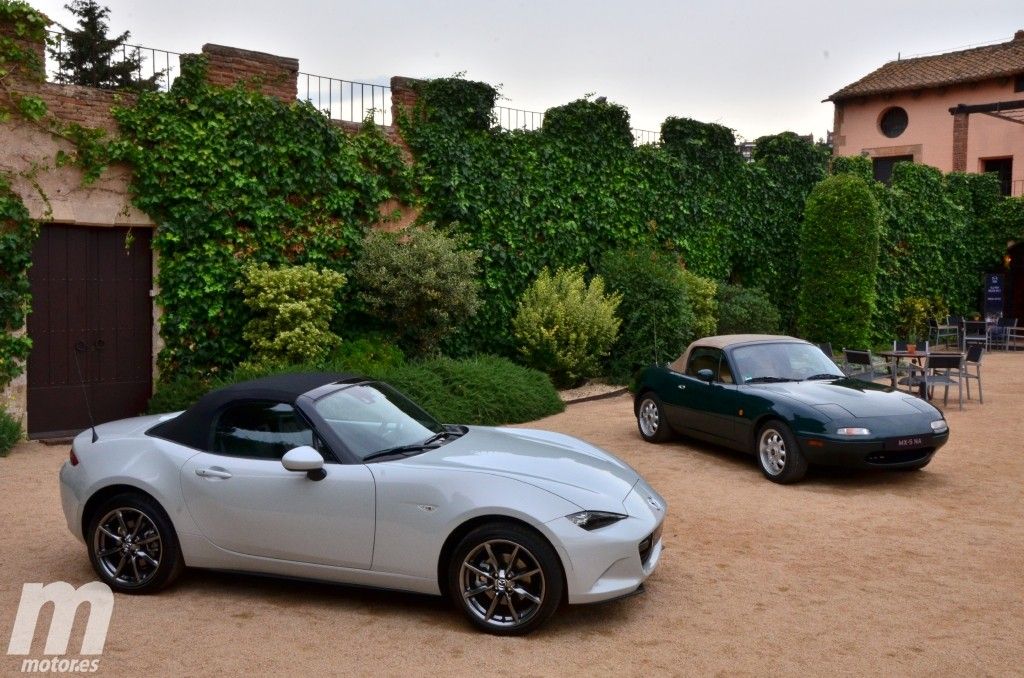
(650, 419)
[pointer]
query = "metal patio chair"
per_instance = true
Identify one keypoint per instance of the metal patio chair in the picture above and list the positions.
(974, 356)
(942, 369)
(999, 335)
(858, 364)
(974, 332)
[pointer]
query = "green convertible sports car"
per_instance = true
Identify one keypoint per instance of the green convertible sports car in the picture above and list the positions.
(786, 402)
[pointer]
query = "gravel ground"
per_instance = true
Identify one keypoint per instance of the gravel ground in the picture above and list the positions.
(848, 573)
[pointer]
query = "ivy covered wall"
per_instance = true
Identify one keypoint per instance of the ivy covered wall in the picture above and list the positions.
(577, 187)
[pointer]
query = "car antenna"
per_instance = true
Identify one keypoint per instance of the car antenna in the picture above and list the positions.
(81, 347)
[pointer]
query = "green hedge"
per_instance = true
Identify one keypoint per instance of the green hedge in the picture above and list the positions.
(565, 194)
(746, 310)
(485, 390)
(839, 263)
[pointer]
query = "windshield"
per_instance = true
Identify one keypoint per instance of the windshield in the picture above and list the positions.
(784, 361)
(370, 418)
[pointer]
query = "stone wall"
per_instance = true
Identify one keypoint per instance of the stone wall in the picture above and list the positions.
(275, 76)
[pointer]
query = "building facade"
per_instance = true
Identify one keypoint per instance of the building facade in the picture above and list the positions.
(958, 111)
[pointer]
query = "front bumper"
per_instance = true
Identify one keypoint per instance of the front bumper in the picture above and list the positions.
(613, 561)
(881, 453)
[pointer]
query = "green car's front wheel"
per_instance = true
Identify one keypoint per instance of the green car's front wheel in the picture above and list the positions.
(778, 453)
(650, 419)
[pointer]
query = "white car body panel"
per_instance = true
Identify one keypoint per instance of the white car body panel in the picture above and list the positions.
(382, 524)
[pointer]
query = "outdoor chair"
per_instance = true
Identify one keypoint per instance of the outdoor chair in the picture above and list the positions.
(954, 324)
(858, 365)
(942, 370)
(942, 330)
(974, 355)
(974, 332)
(1000, 335)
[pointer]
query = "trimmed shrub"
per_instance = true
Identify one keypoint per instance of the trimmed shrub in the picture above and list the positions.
(657, 317)
(293, 306)
(420, 284)
(701, 292)
(839, 262)
(485, 390)
(746, 310)
(365, 355)
(10, 433)
(564, 327)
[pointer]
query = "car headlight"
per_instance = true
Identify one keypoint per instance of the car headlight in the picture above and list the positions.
(853, 431)
(592, 520)
(940, 426)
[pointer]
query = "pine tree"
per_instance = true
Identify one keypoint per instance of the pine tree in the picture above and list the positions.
(87, 56)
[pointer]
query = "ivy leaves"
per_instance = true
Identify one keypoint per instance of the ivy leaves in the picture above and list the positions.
(233, 177)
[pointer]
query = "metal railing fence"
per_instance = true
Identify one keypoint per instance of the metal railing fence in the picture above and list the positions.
(162, 64)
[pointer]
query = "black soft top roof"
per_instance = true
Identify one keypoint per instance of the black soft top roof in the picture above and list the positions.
(192, 427)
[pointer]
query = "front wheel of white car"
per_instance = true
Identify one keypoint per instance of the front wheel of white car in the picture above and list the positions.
(132, 544)
(505, 578)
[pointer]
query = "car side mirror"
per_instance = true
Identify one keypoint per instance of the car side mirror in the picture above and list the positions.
(305, 459)
(706, 374)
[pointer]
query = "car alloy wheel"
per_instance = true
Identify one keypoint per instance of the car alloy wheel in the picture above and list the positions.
(502, 583)
(132, 545)
(779, 454)
(506, 578)
(128, 547)
(649, 418)
(772, 449)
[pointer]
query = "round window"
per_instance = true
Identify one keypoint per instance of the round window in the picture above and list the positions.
(893, 122)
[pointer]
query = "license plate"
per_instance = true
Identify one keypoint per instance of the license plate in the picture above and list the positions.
(908, 443)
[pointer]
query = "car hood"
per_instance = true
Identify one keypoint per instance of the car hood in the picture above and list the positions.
(569, 467)
(859, 398)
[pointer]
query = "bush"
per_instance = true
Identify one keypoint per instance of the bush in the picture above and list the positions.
(293, 306)
(482, 391)
(564, 327)
(701, 292)
(839, 262)
(657, 319)
(914, 314)
(365, 355)
(746, 310)
(10, 433)
(420, 284)
(485, 390)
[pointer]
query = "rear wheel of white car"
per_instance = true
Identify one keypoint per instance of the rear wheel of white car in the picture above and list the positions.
(778, 453)
(505, 578)
(650, 419)
(132, 544)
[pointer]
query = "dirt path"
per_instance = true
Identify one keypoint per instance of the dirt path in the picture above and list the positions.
(846, 573)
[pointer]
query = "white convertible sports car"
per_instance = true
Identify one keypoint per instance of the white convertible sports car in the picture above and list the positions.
(337, 478)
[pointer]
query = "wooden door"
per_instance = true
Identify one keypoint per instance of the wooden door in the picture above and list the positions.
(90, 300)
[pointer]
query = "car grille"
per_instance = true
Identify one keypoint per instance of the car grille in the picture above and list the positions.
(646, 546)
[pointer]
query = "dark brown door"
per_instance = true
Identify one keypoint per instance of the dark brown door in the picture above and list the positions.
(90, 300)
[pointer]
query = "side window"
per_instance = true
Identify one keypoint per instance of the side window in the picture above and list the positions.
(703, 358)
(262, 430)
(724, 373)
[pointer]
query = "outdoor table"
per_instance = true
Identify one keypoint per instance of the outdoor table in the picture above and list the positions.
(893, 358)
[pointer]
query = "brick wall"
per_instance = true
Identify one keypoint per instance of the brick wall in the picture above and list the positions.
(960, 121)
(275, 76)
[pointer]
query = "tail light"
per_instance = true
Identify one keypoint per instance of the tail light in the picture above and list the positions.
(72, 458)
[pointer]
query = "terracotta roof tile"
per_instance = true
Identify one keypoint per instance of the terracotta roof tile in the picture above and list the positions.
(951, 68)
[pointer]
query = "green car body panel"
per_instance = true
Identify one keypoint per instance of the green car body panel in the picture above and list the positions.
(731, 414)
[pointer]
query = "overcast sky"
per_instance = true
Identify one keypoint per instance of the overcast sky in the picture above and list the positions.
(757, 67)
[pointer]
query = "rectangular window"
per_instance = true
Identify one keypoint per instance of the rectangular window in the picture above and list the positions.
(1018, 83)
(883, 166)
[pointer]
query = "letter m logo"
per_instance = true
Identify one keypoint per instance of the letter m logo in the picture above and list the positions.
(66, 600)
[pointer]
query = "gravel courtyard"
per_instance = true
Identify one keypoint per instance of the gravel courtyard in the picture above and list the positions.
(846, 573)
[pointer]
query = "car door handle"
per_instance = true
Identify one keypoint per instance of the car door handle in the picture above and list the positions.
(681, 386)
(212, 473)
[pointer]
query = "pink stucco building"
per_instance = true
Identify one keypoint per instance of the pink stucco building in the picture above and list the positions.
(958, 111)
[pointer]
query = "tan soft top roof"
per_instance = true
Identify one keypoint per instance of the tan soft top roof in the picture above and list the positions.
(725, 341)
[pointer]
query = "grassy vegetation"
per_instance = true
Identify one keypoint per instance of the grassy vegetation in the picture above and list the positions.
(10, 433)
